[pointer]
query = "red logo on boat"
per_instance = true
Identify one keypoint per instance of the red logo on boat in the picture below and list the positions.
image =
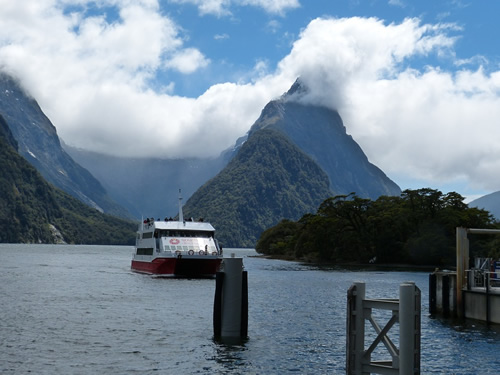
(174, 241)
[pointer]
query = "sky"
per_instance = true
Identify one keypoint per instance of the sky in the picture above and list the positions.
(417, 83)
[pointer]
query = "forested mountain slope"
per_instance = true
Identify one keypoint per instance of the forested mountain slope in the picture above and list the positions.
(33, 211)
(269, 179)
(39, 144)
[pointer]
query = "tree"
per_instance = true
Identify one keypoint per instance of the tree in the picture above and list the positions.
(418, 227)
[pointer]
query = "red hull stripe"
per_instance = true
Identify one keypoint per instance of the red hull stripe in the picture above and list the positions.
(174, 266)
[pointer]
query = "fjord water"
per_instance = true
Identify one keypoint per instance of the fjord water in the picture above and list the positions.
(80, 310)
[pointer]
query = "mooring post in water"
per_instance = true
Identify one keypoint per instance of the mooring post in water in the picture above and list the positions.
(403, 360)
(355, 325)
(409, 329)
(462, 266)
(231, 301)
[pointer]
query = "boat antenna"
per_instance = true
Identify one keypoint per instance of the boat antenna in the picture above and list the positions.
(181, 216)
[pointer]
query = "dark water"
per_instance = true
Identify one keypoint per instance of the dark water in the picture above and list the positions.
(80, 310)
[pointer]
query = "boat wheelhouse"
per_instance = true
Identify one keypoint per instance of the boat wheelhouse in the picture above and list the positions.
(177, 248)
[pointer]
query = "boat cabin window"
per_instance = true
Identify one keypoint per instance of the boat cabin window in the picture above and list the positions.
(145, 251)
(185, 233)
(147, 235)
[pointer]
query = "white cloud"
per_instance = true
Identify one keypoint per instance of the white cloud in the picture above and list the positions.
(214, 7)
(431, 125)
(275, 6)
(273, 26)
(221, 36)
(187, 61)
(398, 3)
(91, 74)
(223, 7)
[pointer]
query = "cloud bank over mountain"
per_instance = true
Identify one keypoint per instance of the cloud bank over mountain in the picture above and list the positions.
(95, 69)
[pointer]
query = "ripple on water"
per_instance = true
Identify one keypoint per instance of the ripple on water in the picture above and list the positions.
(71, 309)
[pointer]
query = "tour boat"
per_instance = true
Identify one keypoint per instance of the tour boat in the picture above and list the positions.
(185, 248)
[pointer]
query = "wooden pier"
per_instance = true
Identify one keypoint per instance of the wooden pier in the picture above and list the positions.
(470, 292)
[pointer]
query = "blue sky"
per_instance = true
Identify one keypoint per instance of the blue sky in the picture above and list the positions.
(417, 83)
(236, 42)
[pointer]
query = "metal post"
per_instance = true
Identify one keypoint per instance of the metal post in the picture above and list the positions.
(359, 319)
(462, 265)
(432, 293)
(355, 329)
(407, 341)
(406, 310)
(487, 286)
(231, 298)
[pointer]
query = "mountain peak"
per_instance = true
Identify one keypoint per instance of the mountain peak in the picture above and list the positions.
(298, 89)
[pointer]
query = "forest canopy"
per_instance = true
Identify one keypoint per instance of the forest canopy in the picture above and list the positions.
(418, 227)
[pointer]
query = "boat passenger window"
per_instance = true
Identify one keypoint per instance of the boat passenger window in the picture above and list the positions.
(145, 251)
(147, 235)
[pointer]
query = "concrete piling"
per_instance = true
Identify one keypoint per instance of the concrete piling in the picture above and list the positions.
(231, 302)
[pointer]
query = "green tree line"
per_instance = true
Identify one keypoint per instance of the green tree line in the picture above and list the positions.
(418, 227)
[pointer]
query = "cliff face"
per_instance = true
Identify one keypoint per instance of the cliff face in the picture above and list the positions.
(320, 133)
(33, 211)
(39, 144)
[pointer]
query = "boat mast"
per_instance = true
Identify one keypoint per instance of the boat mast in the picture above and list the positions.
(181, 216)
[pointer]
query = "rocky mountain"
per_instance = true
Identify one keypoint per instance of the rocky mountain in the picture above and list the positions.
(40, 146)
(33, 211)
(234, 200)
(152, 188)
(489, 202)
(269, 187)
(320, 133)
(293, 157)
(269, 179)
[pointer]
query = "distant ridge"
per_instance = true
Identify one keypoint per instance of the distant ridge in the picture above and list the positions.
(39, 144)
(152, 188)
(489, 202)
